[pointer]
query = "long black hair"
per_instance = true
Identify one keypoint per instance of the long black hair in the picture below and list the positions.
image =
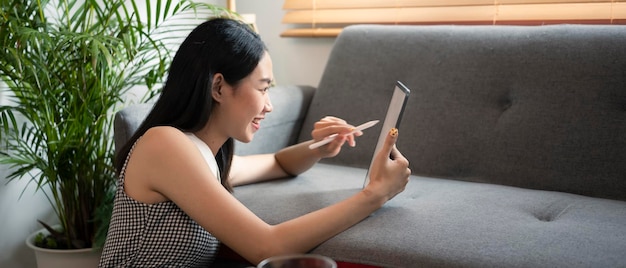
(218, 45)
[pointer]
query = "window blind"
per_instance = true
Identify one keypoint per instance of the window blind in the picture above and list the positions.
(326, 18)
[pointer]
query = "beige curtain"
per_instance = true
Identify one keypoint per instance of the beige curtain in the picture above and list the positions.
(326, 18)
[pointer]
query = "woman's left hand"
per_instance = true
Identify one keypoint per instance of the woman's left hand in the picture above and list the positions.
(332, 125)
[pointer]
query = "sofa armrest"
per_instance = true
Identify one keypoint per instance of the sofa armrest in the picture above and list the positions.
(127, 121)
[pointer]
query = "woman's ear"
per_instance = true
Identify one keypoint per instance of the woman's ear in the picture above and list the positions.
(216, 87)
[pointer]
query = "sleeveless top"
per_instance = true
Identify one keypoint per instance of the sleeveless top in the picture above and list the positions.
(157, 235)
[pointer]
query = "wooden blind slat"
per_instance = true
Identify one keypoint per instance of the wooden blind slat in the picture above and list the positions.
(350, 4)
(593, 11)
(327, 17)
(309, 32)
(389, 15)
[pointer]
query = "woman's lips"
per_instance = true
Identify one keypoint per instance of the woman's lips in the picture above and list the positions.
(256, 123)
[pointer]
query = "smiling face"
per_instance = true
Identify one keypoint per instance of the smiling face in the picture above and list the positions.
(241, 108)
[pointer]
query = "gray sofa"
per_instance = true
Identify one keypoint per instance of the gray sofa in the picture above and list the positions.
(516, 138)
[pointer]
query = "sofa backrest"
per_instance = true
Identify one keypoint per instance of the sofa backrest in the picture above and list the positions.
(541, 107)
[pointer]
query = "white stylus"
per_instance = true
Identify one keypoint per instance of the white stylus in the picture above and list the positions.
(330, 138)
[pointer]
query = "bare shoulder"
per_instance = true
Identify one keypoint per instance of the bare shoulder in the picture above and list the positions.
(163, 139)
(162, 133)
(157, 163)
(162, 148)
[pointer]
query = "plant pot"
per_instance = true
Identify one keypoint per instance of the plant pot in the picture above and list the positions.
(63, 258)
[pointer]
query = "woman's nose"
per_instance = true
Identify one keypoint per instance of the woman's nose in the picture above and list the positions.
(268, 105)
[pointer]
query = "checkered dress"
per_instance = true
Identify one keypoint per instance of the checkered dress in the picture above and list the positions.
(154, 235)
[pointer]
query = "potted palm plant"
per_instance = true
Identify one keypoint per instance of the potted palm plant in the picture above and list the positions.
(68, 66)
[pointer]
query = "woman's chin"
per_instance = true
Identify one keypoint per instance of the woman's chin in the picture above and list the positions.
(246, 139)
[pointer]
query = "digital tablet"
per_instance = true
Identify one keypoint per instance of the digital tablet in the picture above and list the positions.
(392, 119)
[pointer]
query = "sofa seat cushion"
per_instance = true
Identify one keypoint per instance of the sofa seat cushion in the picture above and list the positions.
(448, 223)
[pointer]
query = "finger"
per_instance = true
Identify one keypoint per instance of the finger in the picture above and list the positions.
(321, 132)
(397, 156)
(339, 141)
(389, 143)
(328, 121)
(334, 147)
(332, 119)
(351, 140)
(353, 136)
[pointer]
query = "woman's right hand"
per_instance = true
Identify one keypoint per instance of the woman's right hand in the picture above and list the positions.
(390, 171)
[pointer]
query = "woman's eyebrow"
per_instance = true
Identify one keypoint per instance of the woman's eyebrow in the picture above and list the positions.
(267, 80)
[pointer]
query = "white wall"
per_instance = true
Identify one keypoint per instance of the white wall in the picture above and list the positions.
(298, 61)
(18, 219)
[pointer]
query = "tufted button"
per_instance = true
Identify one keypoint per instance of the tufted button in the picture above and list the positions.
(553, 211)
(505, 102)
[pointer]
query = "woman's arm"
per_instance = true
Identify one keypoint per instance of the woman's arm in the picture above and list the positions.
(263, 167)
(167, 164)
(292, 160)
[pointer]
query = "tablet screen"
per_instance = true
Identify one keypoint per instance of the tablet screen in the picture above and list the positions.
(392, 119)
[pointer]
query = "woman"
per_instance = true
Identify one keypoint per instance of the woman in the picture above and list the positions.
(170, 209)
